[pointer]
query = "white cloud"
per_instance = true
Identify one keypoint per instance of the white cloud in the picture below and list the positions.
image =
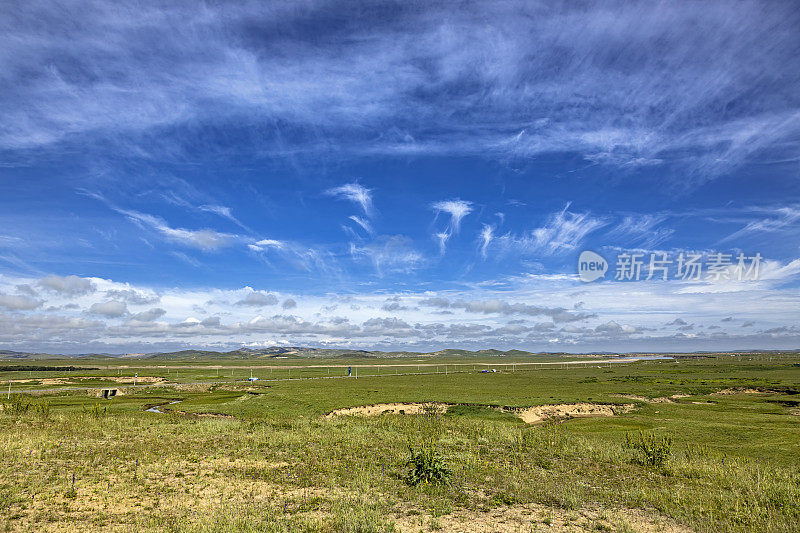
(434, 80)
(133, 297)
(486, 236)
(19, 302)
(265, 244)
(457, 209)
(258, 299)
(564, 231)
(781, 220)
(503, 307)
(504, 313)
(111, 309)
(149, 315)
(224, 212)
(204, 239)
(295, 254)
(389, 253)
(356, 193)
(363, 223)
(68, 285)
(641, 230)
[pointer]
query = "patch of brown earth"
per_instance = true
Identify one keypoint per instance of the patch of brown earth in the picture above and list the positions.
(529, 415)
(193, 387)
(532, 517)
(660, 399)
(741, 390)
(541, 413)
(390, 408)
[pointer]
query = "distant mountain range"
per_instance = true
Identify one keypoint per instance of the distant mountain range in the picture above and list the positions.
(266, 353)
(281, 352)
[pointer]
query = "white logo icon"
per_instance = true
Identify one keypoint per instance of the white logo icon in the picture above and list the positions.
(591, 266)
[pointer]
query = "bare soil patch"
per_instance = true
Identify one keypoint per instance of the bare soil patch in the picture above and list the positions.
(660, 399)
(529, 415)
(390, 408)
(532, 517)
(742, 390)
(541, 413)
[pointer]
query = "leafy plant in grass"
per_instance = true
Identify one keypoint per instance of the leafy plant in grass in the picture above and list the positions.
(16, 405)
(42, 409)
(95, 411)
(652, 450)
(427, 467)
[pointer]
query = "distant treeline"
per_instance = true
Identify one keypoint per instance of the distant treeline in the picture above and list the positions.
(33, 368)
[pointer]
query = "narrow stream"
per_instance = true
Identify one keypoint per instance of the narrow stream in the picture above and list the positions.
(155, 408)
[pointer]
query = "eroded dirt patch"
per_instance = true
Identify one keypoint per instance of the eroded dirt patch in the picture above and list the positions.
(541, 413)
(529, 415)
(742, 390)
(532, 517)
(660, 399)
(390, 408)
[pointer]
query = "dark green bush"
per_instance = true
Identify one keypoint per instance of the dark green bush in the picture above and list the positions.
(16, 405)
(95, 411)
(651, 450)
(427, 466)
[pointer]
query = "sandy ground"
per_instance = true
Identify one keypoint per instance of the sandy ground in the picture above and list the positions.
(660, 399)
(540, 413)
(740, 390)
(535, 517)
(71, 380)
(530, 415)
(391, 408)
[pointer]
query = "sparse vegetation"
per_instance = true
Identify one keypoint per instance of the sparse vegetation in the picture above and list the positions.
(651, 449)
(427, 466)
(278, 465)
(16, 405)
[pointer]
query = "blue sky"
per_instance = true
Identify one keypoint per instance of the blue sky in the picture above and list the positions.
(395, 175)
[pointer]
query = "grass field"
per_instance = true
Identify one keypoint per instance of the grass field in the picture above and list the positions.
(234, 455)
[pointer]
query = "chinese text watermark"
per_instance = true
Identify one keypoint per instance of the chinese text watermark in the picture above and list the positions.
(686, 266)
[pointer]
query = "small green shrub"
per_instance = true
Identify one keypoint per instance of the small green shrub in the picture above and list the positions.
(652, 450)
(17, 405)
(95, 411)
(42, 409)
(427, 466)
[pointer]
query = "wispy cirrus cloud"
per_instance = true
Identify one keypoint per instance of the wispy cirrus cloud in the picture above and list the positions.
(389, 254)
(298, 255)
(563, 231)
(485, 239)
(641, 230)
(203, 239)
(355, 193)
(455, 209)
(363, 223)
(224, 212)
(785, 219)
(434, 81)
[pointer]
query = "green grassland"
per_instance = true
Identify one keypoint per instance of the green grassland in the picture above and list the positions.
(234, 455)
